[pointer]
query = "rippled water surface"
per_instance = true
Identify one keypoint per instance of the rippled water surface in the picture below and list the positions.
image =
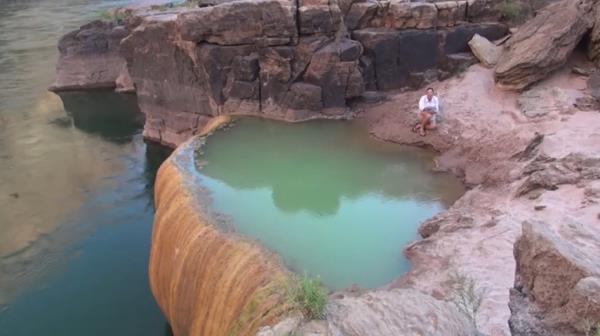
(75, 189)
(329, 199)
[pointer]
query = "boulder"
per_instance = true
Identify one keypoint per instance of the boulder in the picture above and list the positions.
(456, 40)
(551, 262)
(594, 43)
(485, 51)
(396, 312)
(265, 22)
(89, 57)
(543, 44)
(581, 313)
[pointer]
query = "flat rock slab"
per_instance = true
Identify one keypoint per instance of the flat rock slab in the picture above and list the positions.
(396, 312)
(539, 102)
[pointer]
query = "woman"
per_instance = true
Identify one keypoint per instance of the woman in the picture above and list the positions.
(429, 107)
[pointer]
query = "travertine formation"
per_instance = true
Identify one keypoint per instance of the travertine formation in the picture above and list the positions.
(207, 281)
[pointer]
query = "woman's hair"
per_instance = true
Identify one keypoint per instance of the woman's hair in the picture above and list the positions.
(430, 88)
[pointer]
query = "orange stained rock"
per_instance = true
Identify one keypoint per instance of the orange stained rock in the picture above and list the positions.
(208, 282)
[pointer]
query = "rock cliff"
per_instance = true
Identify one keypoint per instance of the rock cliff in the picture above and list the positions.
(282, 59)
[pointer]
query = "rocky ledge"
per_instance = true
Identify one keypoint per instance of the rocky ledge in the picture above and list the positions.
(516, 255)
(284, 59)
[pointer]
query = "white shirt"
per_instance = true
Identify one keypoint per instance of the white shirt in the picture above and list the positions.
(424, 103)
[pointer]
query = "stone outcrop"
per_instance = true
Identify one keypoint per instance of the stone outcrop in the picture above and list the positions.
(558, 269)
(89, 57)
(485, 51)
(543, 44)
(282, 59)
(396, 312)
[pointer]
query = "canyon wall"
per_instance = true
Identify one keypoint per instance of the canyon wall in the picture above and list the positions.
(283, 59)
(205, 280)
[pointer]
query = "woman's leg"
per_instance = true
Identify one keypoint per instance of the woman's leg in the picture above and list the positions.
(431, 125)
(425, 117)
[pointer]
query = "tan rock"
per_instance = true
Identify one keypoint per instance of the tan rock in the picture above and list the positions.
(396, 312)
(552, 261)
(89, 57)
(543, 44)
(419, 15)
(266, 22)
(594, 43)
(486, 52)
(581, 312)
(450, 12)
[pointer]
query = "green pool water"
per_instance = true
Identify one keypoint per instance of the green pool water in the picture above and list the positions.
(330, 200)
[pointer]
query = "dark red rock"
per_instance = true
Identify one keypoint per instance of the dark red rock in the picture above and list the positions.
(89, 57)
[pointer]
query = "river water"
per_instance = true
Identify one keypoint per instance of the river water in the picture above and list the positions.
(329, 199)
(75, 189)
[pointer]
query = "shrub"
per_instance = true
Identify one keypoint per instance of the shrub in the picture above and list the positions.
(466, 296)
(510, 10)
(308, 295)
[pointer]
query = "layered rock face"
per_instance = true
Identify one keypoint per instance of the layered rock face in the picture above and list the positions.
(207, 281)
(543, 44)
(89, 57)
(281, 59)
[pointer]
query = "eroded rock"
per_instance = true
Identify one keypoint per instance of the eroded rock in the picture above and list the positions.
(543, 44)
(265, 22)
(594, 43)
(89, 57)
(396, 312)
(551, 263)
(549, 173)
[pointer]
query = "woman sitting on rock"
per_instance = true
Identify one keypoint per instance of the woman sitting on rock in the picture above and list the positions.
(429, 107)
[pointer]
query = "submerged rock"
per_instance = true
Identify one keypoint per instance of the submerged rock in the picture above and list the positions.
(543, 44)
